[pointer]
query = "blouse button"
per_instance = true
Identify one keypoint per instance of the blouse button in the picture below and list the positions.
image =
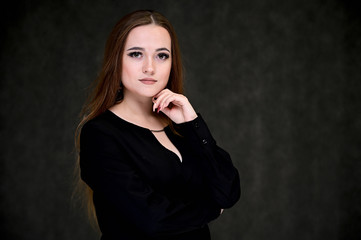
(204, 141)
(196, 125)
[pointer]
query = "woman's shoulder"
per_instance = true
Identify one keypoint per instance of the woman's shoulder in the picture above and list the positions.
(105, 122)
(101, 134)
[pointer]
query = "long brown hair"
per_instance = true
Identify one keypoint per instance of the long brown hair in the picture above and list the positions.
(107, 89)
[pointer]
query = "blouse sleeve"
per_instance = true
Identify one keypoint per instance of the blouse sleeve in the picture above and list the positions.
(223, 177)
(106, 169)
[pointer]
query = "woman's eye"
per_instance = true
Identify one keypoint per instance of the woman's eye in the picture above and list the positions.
(163, 56)
(135, 54)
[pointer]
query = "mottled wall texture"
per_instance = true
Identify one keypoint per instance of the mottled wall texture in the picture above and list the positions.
(277, 81)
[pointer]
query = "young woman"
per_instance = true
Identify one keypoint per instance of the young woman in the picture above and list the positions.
(152, 167)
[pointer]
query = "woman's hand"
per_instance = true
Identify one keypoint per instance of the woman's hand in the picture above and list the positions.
(175, 106)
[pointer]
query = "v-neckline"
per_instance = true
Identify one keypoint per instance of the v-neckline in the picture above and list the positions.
(166, 129)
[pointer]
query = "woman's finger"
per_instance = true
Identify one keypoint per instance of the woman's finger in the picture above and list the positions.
(160, 97)
(167, 100)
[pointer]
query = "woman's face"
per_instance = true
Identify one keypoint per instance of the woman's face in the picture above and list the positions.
(147, 61)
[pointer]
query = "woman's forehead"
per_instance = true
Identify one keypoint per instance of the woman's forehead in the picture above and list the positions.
(148, 37)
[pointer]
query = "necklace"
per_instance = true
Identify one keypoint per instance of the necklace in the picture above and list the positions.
(162, 130)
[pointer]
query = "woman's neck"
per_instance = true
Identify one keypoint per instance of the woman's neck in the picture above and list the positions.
(136, 107)
(139, 112)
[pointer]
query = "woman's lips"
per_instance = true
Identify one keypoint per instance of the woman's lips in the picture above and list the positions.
(148, 81)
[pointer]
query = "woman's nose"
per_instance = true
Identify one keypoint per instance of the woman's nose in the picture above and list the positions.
(148, 67)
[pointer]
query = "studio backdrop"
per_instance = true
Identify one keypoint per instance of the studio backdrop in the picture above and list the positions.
(278, 83)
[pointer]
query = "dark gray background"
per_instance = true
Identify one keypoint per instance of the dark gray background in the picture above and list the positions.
(277, 81)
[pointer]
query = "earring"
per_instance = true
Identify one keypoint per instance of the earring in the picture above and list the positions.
(119, 96)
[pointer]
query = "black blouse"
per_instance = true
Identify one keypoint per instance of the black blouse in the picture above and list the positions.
(143, 191)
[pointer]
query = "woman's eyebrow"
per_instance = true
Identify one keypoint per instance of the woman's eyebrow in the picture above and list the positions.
(142, 49)
(162, 49)
(136, 48)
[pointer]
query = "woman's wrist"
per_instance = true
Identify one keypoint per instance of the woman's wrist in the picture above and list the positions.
(189, 113)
